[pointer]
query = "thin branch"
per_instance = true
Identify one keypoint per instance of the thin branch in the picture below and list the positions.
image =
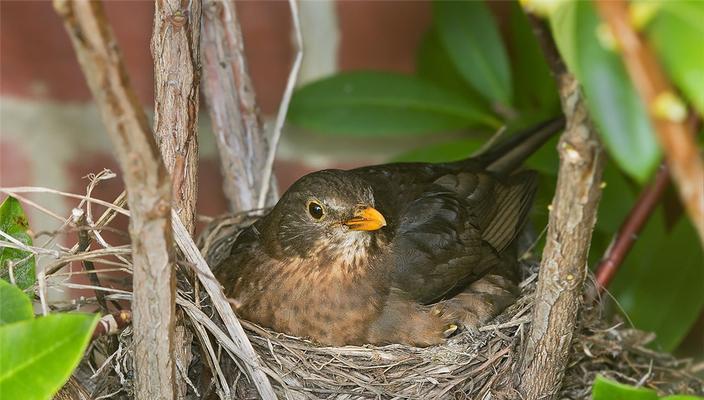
(148, 194)
(676, 136)
(84, 240)
(628, 232)
(231, 102)
(285, 100)
(563, 269)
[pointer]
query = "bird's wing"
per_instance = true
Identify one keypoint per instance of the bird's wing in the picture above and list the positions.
(454, 231)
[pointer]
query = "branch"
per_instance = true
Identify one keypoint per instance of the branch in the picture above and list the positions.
(628, 232)
(675, 135)
(176, 52)
(232, 105)
(563, 269)
(148, 194)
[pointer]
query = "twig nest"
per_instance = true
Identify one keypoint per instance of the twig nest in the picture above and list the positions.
(472, 364)
(477, 364)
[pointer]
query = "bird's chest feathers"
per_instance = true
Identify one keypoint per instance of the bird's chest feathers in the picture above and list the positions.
(331, 296)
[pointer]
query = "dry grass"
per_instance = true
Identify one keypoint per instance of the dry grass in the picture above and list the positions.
(474, 365)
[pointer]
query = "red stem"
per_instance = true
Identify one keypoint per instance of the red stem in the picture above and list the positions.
(631, 227)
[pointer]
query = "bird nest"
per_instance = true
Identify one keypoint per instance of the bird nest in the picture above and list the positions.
(477, 364)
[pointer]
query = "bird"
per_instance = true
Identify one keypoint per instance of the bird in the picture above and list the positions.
(403, 253)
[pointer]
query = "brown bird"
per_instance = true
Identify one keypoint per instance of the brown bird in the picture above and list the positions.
(395, 253)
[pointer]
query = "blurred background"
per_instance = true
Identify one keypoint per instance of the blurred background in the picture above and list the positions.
(51, 134)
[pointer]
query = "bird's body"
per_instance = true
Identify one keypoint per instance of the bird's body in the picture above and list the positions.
(394, 253)
(446, 227)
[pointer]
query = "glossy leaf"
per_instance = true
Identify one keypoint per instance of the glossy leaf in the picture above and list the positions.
(443, 152)
(13, 221)
(614, 104)
(663, 262)
(469, 33)
(676, 33)
(14, 304)
(44, 353)
(379, 103)
(682, 397)
(434, 64)
(617, 199)
(605, 389)
(534, 86)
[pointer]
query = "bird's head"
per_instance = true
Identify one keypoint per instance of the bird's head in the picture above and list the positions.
(330, 211)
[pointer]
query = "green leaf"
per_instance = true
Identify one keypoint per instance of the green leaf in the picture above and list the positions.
(13, 221)
(613, 102)
(14, 304)
(442, 152)
(468, 32)
(379, 103)
(44, 352)
(676, 33)
(534, 86)
(605, 389)
(434, 64)
(682, 397)
(663, 262)
(617, 199)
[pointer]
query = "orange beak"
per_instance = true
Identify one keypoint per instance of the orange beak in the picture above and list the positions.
(368, 219)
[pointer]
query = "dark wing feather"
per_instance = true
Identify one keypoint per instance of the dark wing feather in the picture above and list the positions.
(453, 227)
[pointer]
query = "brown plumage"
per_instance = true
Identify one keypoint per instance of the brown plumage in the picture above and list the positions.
(396, 253)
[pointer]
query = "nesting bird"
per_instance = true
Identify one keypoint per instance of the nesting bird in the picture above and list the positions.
(395, 253)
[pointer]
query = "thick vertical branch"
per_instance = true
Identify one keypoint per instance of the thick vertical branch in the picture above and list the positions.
(176, 52)
(675, 134)
(563, 269)
(148, 194)
(231, 102)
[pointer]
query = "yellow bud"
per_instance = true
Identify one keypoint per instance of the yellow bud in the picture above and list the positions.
(641, 13)
(606, 37)
(541, 8)
(669, 106)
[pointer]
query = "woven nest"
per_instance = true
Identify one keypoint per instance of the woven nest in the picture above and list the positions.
(473, 365)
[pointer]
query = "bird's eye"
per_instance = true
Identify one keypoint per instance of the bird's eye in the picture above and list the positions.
(315, 210)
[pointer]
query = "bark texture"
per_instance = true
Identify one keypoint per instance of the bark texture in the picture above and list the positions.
(175, 49)
(229, 94)
(564, 264)
(148, 194)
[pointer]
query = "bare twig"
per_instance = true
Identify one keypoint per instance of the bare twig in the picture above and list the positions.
(631, 226)
(229, 94)
(674, 133)
(563, 269)
(285, 100)
(148, 193)
(84, 240)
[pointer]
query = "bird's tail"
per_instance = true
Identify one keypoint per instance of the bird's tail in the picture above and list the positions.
(507, 156)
